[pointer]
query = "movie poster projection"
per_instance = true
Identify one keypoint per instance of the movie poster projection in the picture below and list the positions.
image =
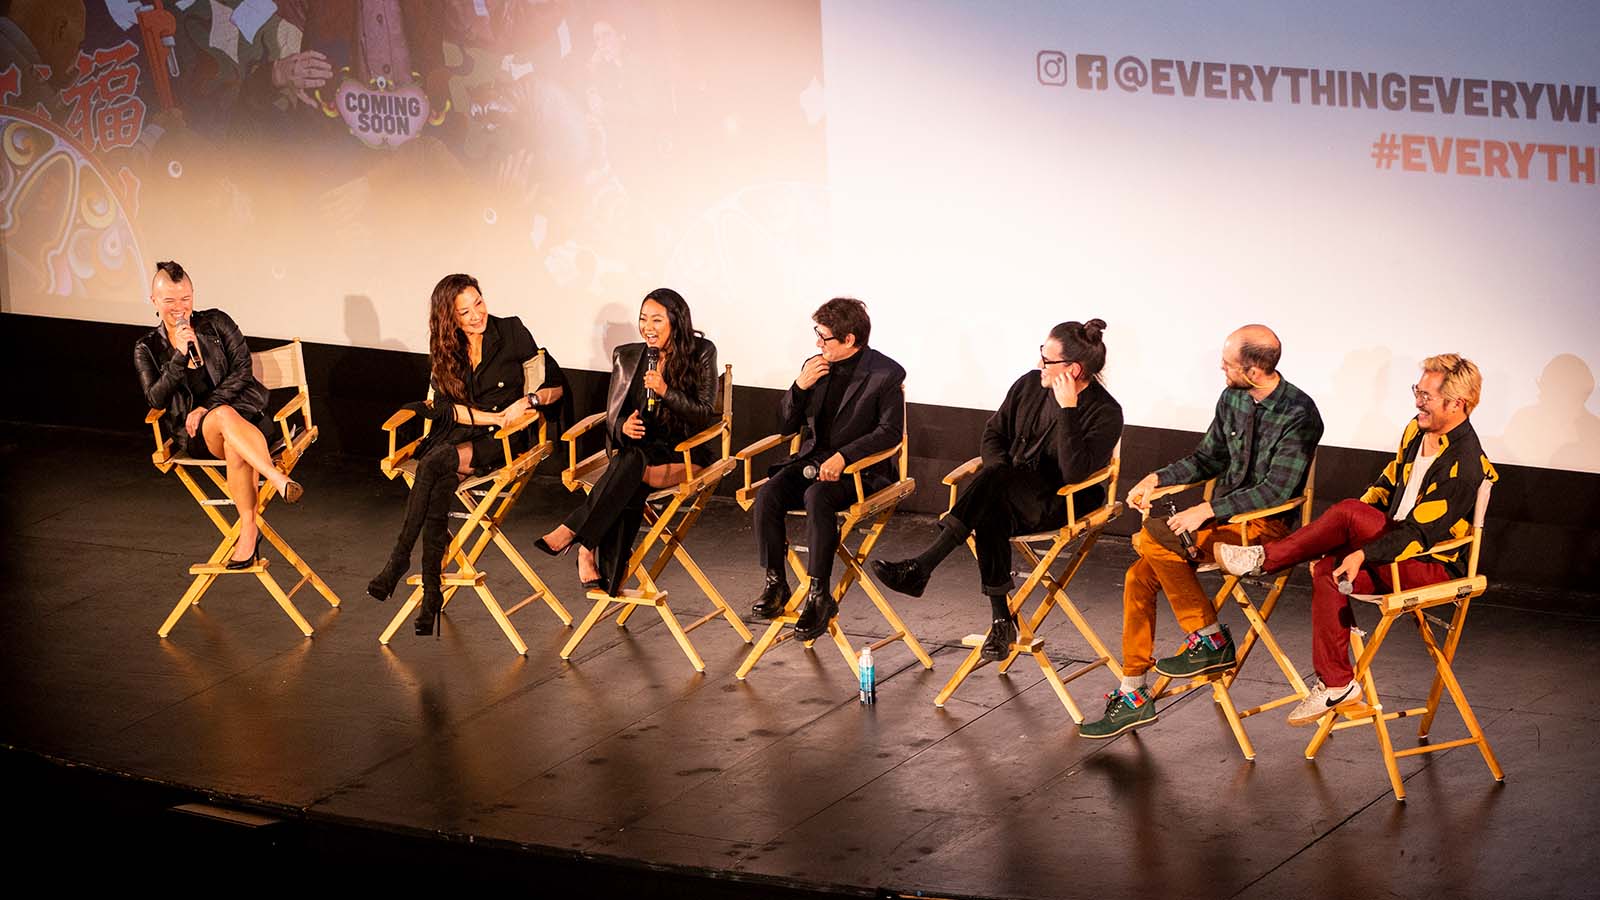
(1378, 182)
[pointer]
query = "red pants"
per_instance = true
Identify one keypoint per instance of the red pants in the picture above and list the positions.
(1345, 528)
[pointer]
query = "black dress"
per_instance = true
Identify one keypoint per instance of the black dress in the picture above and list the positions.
(223, 379)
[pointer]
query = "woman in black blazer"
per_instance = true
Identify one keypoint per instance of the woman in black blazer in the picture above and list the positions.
(678, 366)
(476, 362)
(196, 366)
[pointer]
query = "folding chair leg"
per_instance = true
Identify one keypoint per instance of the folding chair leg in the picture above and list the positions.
(294, 559)
(501, 619)
(287, 605)
(595, 614)
(1059, 686)
(1448, 675)
(540, 589)
(401, 615)
(971, 664)
(1453, 640)
(845, 650)
(682, 638)
(197, 588)
(902, 632)
(1224, 700)
(710, 590)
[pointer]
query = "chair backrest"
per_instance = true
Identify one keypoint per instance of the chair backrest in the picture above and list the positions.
(1479, 510)
(281, 367)
(905, 433)
(725, 408)
(533, 372)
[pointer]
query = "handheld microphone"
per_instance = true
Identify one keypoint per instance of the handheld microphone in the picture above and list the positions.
(194, 352)
(810, 472)
(1346, 587)
(652, 359)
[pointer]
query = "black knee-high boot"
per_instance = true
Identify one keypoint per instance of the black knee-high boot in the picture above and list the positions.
(435, 540)
(441, 462)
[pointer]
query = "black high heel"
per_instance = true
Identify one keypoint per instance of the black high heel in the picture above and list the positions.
(382, 585)
(545, 548)
(427, 622)
(253, 559)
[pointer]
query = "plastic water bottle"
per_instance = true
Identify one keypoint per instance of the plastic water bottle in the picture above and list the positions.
(869, 676)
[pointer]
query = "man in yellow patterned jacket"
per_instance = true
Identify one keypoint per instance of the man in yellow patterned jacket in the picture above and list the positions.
(1424, 496)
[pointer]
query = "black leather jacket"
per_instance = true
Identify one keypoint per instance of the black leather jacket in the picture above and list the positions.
(227, 360)
(691, 413)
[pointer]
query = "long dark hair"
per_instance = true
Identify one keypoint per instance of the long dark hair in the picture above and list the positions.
(680, 372)
(447, 344)
(1081, 343)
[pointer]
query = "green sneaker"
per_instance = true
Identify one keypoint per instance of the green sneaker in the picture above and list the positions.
(1124, 712)
(1202, 656)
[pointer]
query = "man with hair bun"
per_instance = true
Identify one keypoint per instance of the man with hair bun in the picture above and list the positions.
(1426, 495)
(1258, 448)
(1057, 425)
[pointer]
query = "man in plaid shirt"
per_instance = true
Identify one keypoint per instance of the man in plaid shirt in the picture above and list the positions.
(1258, 448)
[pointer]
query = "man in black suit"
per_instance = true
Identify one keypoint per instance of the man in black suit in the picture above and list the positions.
(848, 398)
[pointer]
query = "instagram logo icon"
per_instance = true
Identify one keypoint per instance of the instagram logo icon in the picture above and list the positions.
(1051, 68)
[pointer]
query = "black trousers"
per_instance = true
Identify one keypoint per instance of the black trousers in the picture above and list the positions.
(999, 502)
(609, 518)
(788, 488)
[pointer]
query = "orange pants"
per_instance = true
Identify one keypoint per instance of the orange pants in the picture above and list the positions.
(1160, 569)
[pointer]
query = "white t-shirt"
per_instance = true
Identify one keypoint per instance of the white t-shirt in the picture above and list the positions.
(1419, 474)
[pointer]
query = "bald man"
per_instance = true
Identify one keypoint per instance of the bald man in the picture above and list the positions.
(1258, 449)
(41, 33)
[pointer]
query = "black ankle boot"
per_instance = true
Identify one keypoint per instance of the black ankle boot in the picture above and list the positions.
(906, 576)
(1002, 634)
(815, 614)
(774, 596)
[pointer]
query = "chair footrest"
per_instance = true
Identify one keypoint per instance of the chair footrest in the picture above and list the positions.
(474, 580)
(222, 569)
(1032, 645)
(631, 595)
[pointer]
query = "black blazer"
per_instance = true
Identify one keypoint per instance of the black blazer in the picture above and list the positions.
(496, 382)
(871, 415)
(692, 413)
(226, 357)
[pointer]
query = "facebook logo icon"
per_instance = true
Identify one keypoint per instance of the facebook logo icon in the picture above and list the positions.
(1091, 72)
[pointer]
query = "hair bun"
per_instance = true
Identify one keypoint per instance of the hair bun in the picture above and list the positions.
(1092, 329)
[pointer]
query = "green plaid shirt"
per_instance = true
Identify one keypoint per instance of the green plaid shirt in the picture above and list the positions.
(1258, 452)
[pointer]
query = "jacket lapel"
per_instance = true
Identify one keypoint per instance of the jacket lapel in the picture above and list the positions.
(857, 382)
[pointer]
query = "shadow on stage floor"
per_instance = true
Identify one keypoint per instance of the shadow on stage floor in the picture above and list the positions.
(627, 772)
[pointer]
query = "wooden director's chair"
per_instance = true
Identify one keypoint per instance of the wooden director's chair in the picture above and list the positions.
(671, 514)
(280, 367)
(1394, 606)
(487, 500)
(1256, 617)
(1085, 531)
(869, 514)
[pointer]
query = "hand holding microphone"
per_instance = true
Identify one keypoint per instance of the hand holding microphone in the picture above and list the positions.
(186, 339)
(830, 469)
(654, 386)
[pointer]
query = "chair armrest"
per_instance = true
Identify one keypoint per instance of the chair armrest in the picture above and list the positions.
(510, 428)
(861, 465)
(1252, 515)
(290, 408)
(690, 443)
(1159, 492)
(154, 416)
(398, 419)
(762, 446)
(963, 472)
(1068, 491)
(582, 426)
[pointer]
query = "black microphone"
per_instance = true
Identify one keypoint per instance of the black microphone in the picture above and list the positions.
(1185, 539)
(190, 348)
(652, 359)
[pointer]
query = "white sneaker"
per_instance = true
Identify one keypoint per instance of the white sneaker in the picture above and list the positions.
(1237, 560)
(1322, 700)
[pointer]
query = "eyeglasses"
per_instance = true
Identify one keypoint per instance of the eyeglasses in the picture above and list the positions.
(1047, 361)
(1423, 397)
(823, 337)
